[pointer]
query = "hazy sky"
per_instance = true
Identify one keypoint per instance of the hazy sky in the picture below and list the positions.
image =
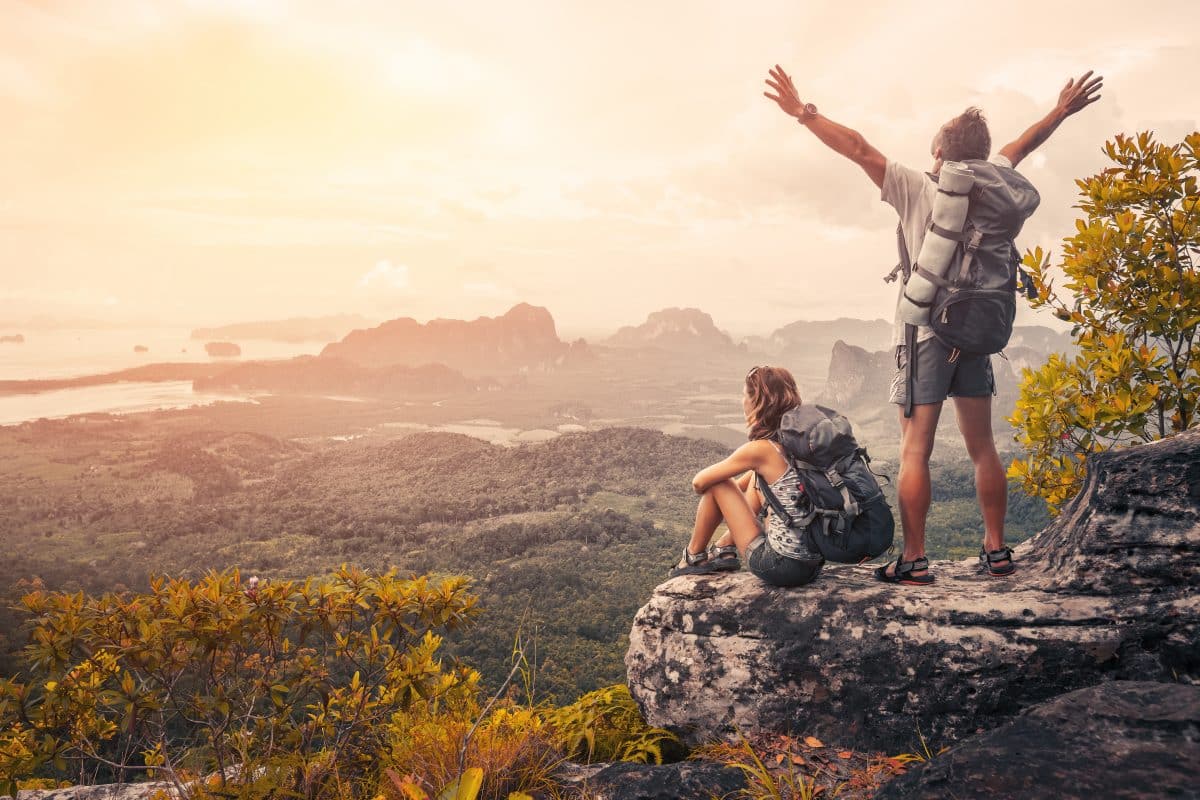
(209, 162)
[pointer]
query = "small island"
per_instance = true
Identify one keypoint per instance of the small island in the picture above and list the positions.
(141, 348)
(222, 349)
(16, 338)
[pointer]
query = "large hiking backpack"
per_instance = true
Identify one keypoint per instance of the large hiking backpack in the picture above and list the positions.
(975, 302)
(841, 511)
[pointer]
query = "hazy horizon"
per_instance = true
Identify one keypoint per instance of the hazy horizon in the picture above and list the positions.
(207, 163)
(46, 323)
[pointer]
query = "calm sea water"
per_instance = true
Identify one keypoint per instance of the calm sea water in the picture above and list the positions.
(114, 398)
(71, 353)
(68, 353)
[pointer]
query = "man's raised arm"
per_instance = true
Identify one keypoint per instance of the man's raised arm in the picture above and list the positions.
(846, 141)
(1074, 97)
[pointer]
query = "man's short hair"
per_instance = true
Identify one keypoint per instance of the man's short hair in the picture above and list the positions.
(966, 136)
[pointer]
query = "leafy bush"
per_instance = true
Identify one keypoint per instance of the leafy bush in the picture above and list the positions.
(1134, 305)
(288, 684)
(321, 690)
(511, 747)
(606, 725)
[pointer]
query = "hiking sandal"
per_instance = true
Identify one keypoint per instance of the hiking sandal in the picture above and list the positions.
(724, 557)
(903, 572)
(988, 560)
(695, 564)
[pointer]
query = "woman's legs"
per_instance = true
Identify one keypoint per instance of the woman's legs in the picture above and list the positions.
(725, 501)
(746, 485)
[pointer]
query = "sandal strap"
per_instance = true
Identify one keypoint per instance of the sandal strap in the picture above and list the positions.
(908, 567)
(693, 559)
(723, 551)
(993, 556)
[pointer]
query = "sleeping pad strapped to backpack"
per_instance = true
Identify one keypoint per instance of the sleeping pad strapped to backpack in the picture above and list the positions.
(975, 302)
(842, 511)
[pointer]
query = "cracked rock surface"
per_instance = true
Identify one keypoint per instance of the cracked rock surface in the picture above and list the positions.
(1119, 739)
(687, 779)
(1108, 591)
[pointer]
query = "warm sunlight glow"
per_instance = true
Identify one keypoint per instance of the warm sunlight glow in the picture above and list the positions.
(212, 162)
(419, 67)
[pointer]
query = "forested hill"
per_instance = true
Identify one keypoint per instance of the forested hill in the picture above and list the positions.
(567, 537)
(583, 523)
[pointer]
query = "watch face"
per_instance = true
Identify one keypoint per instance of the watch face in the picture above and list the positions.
(809, 108)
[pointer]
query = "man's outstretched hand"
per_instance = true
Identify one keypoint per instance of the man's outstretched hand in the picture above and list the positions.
(786, 95)
(1079, 93)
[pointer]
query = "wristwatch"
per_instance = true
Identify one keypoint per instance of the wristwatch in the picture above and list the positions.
(810, 111)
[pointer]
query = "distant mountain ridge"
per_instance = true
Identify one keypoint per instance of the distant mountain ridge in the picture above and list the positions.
(858, 381)
(808, 335)
(1041, 339)
(295, 329)
(675, 329)
(523, 340)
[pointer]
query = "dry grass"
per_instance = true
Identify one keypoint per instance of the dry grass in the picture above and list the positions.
(803, 768)
(512, 747)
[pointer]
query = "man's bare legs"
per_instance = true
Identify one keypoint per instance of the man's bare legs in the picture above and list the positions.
(991, 484)
(912, 489)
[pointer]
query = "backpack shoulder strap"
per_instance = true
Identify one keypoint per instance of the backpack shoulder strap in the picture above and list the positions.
(905, 265)
(773, 501)
(971, 241)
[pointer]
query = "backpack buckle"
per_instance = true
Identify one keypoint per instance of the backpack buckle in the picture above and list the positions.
(972, 240)
(835, 478)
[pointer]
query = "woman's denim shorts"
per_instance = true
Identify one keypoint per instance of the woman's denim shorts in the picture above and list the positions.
(777, 569)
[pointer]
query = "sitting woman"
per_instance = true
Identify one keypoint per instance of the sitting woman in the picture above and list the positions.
(730, 494)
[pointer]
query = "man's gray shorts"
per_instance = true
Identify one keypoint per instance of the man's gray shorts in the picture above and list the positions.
(938, 377)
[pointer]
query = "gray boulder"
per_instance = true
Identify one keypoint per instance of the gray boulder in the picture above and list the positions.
(1105, 592)
(685, 780)
(147, 790)
(1116, 740)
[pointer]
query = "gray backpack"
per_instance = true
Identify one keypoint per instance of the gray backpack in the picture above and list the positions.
(842, 513)
(975, 302)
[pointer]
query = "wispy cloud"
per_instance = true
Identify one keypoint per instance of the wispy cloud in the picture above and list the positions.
(385, 275)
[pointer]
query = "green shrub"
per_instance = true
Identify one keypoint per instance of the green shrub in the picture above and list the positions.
(606, 725)
(286, 683)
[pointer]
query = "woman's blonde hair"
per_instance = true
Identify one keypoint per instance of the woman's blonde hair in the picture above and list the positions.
(772, 392)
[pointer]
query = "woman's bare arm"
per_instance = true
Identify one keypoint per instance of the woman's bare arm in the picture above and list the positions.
(749, 457)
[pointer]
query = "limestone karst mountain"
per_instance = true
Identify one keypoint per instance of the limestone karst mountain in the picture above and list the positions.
(687, 330)
(522, 340)
(857, 377)
(804, 336)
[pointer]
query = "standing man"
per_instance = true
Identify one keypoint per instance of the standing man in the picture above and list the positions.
(941, 373)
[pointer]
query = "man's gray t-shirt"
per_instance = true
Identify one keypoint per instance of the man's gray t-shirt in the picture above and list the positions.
(911, 193)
